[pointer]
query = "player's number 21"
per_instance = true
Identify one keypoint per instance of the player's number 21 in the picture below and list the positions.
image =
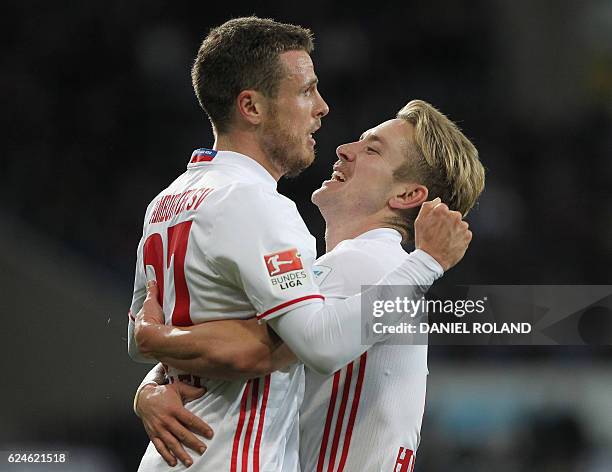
(153, 249)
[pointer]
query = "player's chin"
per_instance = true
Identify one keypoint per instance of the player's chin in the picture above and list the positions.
(318, 197)
(308, 156)
(299, 164)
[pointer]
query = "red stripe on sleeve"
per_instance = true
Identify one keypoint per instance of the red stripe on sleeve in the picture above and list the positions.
(354, 407)
(243, 403)
(347, 388)
(328, 420)
(286, 304)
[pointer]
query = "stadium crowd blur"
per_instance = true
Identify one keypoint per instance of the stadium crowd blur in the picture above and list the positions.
(98, 115)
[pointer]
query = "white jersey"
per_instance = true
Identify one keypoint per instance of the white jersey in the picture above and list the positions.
(367, 416)
(222, 243)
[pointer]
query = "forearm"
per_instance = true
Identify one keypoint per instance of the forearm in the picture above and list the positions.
(246, 358)
(283, 357)
(158, 341)
(226, 350)
(327, 337)
(220, 368)
(133, 348)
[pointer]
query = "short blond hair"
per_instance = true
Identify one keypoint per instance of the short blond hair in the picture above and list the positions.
(442, 158)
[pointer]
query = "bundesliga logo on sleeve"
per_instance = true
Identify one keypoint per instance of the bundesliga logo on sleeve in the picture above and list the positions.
(285, 269)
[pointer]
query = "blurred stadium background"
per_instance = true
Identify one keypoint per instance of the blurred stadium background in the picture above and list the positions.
(98, 115)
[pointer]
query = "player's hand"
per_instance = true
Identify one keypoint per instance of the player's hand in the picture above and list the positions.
(151, 311)
(169, 424)
(441, 233)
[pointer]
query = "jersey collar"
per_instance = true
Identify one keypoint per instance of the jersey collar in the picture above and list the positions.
(382, 234)
(204, 156)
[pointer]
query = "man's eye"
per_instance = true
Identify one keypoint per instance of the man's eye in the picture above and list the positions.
(371, 150)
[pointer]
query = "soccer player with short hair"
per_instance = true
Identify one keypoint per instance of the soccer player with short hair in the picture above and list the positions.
(367, 415)
(215, 238)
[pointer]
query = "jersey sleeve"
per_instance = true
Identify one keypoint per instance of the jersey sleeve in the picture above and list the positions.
(138, 297)
(261, 245)
(345, 270)
(328, 337)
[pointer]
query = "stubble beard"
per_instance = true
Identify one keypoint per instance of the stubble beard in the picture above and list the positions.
(286, 152)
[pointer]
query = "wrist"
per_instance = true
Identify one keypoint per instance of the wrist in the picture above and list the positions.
(430, 261)
(150, 338)
(139, 390)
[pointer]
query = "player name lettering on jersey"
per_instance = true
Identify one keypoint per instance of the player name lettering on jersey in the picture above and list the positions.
(172, 205)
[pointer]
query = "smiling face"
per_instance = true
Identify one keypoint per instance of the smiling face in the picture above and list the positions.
(363, 183)
(293, 115)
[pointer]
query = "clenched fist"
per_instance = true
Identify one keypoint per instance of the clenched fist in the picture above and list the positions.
(441, 233)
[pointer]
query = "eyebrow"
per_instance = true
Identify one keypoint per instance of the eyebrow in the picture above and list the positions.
(373, 137)
(311, 82)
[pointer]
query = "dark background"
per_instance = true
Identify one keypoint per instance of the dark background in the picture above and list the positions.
(98, 115)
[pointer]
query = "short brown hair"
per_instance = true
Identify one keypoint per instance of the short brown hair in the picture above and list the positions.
(441, 158)
(242, 54)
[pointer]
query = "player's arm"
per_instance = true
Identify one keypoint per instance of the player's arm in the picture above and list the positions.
(138, 298)
(324, 337)
(226, 350)
(327, 337)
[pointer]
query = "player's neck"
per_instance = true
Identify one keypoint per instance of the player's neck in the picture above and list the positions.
(341, 229)
(244, 143)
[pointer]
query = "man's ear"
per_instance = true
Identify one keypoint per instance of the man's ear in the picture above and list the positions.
(251, 106)
(408, 196)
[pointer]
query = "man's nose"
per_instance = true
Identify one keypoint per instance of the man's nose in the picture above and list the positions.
(322, 108)
(345, 152)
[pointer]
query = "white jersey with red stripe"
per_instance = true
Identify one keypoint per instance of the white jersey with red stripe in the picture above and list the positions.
(367, 416)
(222, 243)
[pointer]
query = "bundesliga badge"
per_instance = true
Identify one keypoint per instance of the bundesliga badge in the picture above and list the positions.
(281, 262)
(285, 269)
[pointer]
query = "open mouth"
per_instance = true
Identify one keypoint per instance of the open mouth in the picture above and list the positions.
(311, 135)
(338, 176)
